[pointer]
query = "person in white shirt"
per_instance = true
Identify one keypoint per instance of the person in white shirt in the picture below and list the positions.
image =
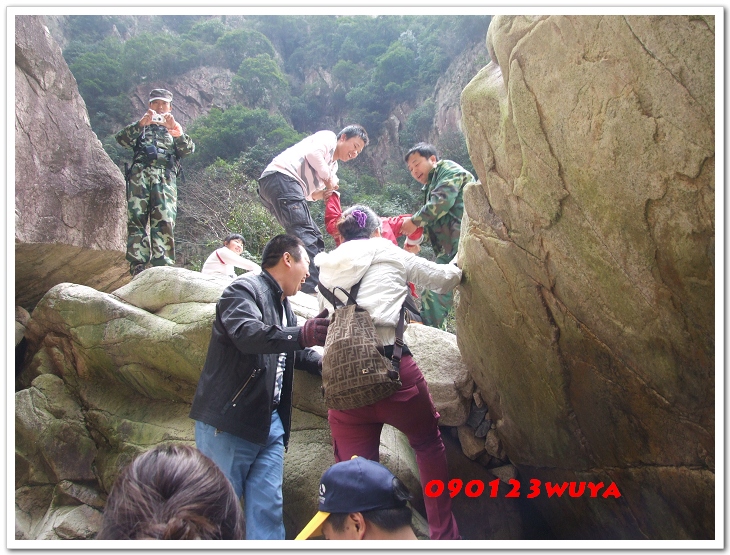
(222, 261)
(383, 271)
(304, 172)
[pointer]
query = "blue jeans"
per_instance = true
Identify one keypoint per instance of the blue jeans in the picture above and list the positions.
(255, 471)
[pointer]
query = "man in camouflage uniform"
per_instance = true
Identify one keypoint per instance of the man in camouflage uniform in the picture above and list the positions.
(158, 142)
(443, 184)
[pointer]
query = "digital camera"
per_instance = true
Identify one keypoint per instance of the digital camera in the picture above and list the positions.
(158, 118)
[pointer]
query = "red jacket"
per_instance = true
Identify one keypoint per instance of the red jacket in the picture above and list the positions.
(390, 227)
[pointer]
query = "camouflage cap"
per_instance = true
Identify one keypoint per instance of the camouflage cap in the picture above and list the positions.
(160, 94)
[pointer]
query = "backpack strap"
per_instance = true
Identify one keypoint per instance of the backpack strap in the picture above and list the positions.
(410, 305)
(400, 328)
(332, 298)
(398, 345)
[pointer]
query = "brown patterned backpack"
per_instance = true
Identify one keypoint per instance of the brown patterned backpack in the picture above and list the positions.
(355, 372)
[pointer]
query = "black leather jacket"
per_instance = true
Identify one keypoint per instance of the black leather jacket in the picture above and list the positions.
(236, 387)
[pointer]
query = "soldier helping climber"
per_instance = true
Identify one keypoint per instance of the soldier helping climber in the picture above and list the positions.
(440, 216)
(158, 143)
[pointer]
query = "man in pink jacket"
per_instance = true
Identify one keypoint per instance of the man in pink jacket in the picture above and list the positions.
(302, 173)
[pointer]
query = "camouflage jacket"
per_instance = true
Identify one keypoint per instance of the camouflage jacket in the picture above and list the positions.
(156, 135)
(443, 206)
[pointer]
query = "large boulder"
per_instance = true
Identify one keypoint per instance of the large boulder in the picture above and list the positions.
(70, 208)
(110, 375)
(449, 382)
(57, 496)
(587, 317)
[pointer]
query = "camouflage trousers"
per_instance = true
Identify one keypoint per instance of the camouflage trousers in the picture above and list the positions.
(435, 307)
(151, 198)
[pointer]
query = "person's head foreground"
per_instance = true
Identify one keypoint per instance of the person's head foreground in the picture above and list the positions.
(358, 222)
(361, 499)
(350, 142)
(172, 492)
(160, 100)
(286, 259)
(421, 159)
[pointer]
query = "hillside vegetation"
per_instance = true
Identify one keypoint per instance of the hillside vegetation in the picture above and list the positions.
(294, 75)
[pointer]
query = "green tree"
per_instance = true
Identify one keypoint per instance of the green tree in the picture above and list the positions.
(148, 56)
(347, 73)
(261, 82)
(238, 44)
(312, 106)
(350, 50)
(227, 134)
(92, 28)
(452, 145)
(286, 32)
(99, 72)
(394, 71)
(418, 125)
(207, 31)
(100, 79)
(180, 23)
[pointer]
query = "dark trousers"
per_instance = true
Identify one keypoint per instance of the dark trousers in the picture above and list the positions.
(284, 198)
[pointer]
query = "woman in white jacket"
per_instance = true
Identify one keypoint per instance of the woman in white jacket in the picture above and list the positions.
(223, 260)
(384, 271)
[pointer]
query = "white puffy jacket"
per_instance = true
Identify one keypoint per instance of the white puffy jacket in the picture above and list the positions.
(385, 270)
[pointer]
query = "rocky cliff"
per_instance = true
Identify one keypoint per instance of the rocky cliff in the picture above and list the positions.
(70, 208)
(588, 315)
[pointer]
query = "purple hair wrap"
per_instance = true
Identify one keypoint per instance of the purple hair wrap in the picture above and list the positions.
(360, 216)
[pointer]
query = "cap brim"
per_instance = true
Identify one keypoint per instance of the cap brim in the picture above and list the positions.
(314, 527)
(160, 98)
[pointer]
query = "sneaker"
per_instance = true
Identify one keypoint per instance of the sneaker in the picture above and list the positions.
(138, 269)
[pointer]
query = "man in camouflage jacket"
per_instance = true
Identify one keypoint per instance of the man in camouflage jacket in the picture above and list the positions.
(443, 184)
(158, 142)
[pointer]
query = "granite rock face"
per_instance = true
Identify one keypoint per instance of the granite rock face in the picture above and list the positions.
(70, 207)
(587, 319)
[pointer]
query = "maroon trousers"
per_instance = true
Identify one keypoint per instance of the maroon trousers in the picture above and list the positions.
(410, 410)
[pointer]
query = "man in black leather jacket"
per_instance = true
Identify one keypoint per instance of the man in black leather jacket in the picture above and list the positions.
(243, 403)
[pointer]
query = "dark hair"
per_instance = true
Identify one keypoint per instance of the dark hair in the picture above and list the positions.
(233, 237)
(277, 246)
(172, 492)
(354, 131)
(350, 222)
(386, 519)
(424, 149)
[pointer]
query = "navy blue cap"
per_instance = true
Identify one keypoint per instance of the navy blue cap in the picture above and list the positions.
(353, 486)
